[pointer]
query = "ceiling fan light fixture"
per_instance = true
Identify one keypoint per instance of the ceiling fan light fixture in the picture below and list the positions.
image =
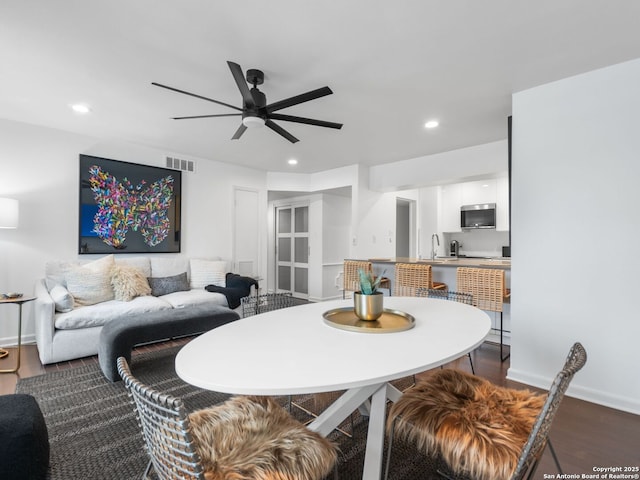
(253, 122)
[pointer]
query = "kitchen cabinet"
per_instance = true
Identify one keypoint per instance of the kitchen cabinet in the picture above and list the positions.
(449, 208)
(482, 191)
(452, 197)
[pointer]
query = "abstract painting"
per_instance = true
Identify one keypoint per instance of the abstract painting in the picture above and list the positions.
(128, 208)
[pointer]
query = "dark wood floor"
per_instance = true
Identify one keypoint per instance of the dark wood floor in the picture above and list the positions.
(585, 435)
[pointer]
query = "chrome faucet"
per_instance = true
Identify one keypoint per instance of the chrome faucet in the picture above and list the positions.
(433, 248)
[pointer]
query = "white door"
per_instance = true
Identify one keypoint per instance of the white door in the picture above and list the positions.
(246, 236)
(292, 250)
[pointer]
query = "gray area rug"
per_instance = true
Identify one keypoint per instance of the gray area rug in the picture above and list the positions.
(94, 434)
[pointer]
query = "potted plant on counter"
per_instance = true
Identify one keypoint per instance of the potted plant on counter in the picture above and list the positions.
(368, 301)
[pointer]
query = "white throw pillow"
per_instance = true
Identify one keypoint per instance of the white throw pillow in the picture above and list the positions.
(91, 283)
(207, 272)
(62, 298)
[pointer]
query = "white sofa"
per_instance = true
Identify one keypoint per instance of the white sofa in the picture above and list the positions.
(76, 299)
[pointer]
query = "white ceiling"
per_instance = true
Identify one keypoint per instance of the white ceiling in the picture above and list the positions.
(391, 65)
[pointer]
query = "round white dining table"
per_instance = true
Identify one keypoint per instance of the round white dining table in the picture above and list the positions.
(295, 351)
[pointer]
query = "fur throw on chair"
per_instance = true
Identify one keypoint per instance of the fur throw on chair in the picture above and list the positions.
(478, 428)
(254, 438)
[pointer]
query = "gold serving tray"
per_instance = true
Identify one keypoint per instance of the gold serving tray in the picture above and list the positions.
(390, 321)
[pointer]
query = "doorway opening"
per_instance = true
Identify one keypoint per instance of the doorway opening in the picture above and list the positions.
(405, 228)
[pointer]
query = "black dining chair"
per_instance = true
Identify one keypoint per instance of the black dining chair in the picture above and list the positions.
(452, 296)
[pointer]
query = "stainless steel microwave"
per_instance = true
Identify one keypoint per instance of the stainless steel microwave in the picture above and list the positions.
(482, 215)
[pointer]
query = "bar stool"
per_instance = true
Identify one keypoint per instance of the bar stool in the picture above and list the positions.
(351, 279)
(488, 287)
(413, 276)
(452, 296)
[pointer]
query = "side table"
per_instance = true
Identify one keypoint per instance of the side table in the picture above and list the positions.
(18, 301)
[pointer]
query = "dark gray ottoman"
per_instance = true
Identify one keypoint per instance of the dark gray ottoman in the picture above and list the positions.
(24, 442)
(118, 337)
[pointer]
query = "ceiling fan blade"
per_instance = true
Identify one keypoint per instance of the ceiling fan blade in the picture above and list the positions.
(207, 116)
(304, 97)
(238, 76)
(308, 121)
(281, 131)
(239, 132)
(195, 95)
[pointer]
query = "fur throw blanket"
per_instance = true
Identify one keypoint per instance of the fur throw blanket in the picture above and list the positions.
(478, 428)
(255, 438)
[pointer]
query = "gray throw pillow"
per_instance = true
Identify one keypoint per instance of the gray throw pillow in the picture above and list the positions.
(164, 285)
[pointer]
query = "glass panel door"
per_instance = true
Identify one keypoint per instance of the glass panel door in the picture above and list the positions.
(301, 252)
(292, 250)
(284, 269)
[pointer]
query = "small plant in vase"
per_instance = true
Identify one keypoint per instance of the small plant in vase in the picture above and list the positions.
(368, 283)
(368, 301)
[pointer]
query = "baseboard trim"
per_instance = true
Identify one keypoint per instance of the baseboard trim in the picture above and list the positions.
(606, 399)
(13, 341)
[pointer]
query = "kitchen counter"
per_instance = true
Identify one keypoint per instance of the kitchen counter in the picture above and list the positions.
(498, 262)
(444, 271)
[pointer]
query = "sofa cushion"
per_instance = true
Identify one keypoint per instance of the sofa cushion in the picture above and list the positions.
(165, 285)
(102, 313)
(128, 282)
(91, 283)
(167, 267)
(55, 271)
(194, 297)
(207, 272)
(141, 263)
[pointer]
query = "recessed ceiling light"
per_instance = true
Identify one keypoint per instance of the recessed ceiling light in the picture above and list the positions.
(292, 161)
(431, 124)
(80, 108)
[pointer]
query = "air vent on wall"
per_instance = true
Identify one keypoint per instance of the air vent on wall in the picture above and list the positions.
(181, 164)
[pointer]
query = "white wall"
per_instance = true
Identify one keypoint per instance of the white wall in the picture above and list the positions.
(336, 226)
(465, 164)
(428, 221)
(575, 186)
(40, 169)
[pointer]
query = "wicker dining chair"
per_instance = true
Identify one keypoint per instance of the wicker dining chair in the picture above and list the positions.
(255, 304)
(488, 287)
(472, 429)
(413, 276)
(221, 441)
(450, 295)
(351, 278)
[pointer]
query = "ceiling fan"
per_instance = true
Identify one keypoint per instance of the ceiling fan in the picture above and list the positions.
(255, 112)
